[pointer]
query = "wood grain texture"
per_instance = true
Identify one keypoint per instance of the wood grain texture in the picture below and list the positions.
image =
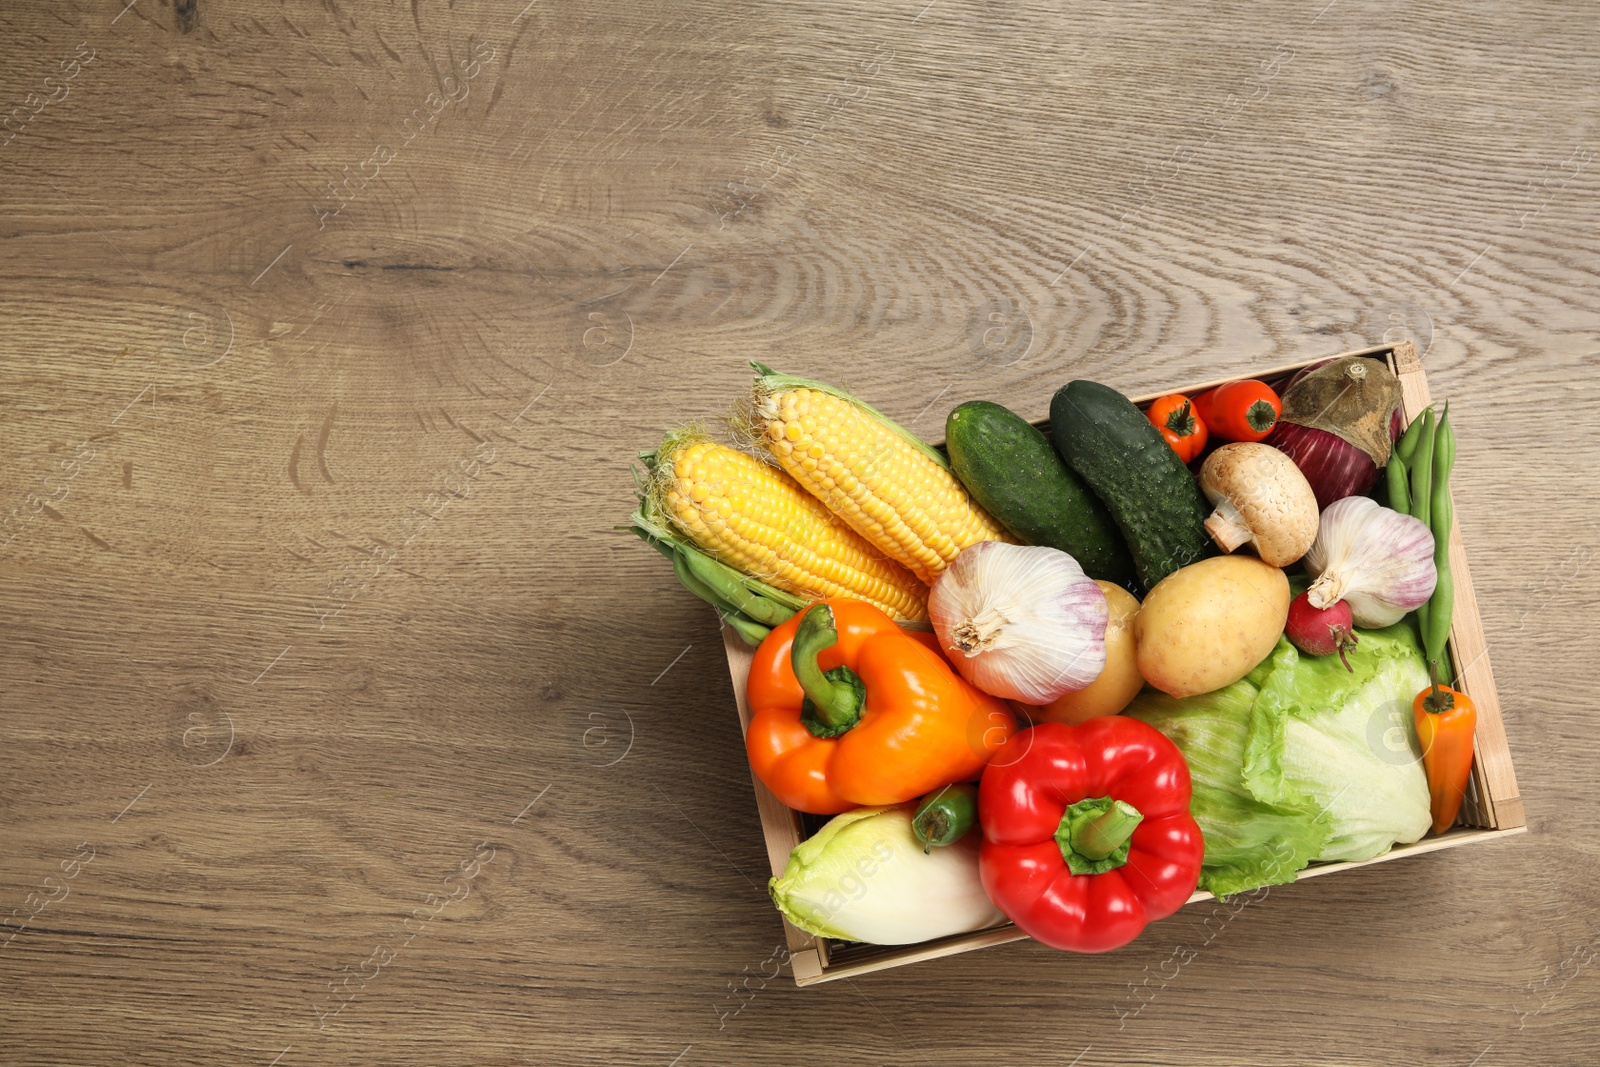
(331, 330)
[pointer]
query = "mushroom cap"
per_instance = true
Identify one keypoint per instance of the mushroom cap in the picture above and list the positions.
(1258, 488)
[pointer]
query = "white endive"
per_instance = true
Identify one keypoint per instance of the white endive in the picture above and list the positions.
(864, 877)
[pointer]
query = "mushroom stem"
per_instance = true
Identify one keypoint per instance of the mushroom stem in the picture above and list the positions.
(1226, 528)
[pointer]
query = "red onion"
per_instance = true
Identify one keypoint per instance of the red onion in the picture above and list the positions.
(1334, 467)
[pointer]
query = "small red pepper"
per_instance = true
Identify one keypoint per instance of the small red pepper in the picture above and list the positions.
(1446, 721)
(1182, 428)
(1087, 834)
(1239, 411)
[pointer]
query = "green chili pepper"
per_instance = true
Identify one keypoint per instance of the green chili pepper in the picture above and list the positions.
(945, 815)
(1436, 624)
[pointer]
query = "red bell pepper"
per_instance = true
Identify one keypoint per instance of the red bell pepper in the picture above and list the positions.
(1086, 832)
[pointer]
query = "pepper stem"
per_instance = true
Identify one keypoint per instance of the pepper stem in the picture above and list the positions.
(1182, 421)
(1439, 699)
(1095, 835)
(835, 698)
(1260, 417)
(1099, 837)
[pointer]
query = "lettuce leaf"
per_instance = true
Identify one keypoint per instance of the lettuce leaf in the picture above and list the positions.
(1302, 760)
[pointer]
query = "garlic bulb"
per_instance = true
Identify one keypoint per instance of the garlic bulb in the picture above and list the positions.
(1020, 622)
(1375, 559)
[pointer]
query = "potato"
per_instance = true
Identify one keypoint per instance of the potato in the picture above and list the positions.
(1207, 625)
(1118, 683)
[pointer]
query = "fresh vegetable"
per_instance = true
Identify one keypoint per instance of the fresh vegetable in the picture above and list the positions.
(1180, 426)
(727, 586)
(749, 629)
(1374, 557)
(1118, 683)
(1011, 469)
(848, 709)
(865, 877)
(1396, 479)
(1262, 500)
(1446, 720)
(1206, 626)
(756, 520)
(1421, 469)
(1397, 471)
(1337, 424)
(731, 593)
(1021, 622)
(1239, 411)
(891, 488)
(1147, 488)
(1441, 517)
(1302, 760)
(946, 815)
(1087, 834)
(1406, 446)
(1321, 631)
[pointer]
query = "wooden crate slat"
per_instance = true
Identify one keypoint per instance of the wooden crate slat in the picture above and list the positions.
(1001, 935)
(780, 824)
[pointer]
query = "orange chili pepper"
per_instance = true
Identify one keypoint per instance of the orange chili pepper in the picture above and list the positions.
(1446, 720)
(847, 709)
(1180, 425)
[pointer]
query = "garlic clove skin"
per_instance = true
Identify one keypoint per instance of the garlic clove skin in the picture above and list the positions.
(1375, 559)
(1020, 622)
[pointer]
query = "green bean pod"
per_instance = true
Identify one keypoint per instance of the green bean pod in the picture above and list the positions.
(946, 815)
(1422, 470)
(1406, 447)
(1441, 606)
(1436, 626)
(1399, 494)
(726, 583)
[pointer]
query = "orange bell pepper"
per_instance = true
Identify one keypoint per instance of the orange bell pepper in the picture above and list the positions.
(847, 710)
(1446, 721)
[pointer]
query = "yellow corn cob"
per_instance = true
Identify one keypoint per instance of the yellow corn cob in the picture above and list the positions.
(889, 488)
(741, 511)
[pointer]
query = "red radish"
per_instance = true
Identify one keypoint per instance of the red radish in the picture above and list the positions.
(1321, 631)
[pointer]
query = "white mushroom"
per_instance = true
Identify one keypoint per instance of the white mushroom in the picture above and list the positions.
(1262, 499)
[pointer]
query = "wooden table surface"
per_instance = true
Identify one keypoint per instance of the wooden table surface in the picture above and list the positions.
(338, 723)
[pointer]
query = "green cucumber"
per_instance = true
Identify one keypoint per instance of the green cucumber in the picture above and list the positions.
(1010, 469)
(1149, 491)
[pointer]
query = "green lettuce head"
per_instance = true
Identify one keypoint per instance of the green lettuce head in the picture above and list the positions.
(1302, 760)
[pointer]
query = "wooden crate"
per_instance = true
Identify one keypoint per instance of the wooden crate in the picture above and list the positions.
(1492, 810)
